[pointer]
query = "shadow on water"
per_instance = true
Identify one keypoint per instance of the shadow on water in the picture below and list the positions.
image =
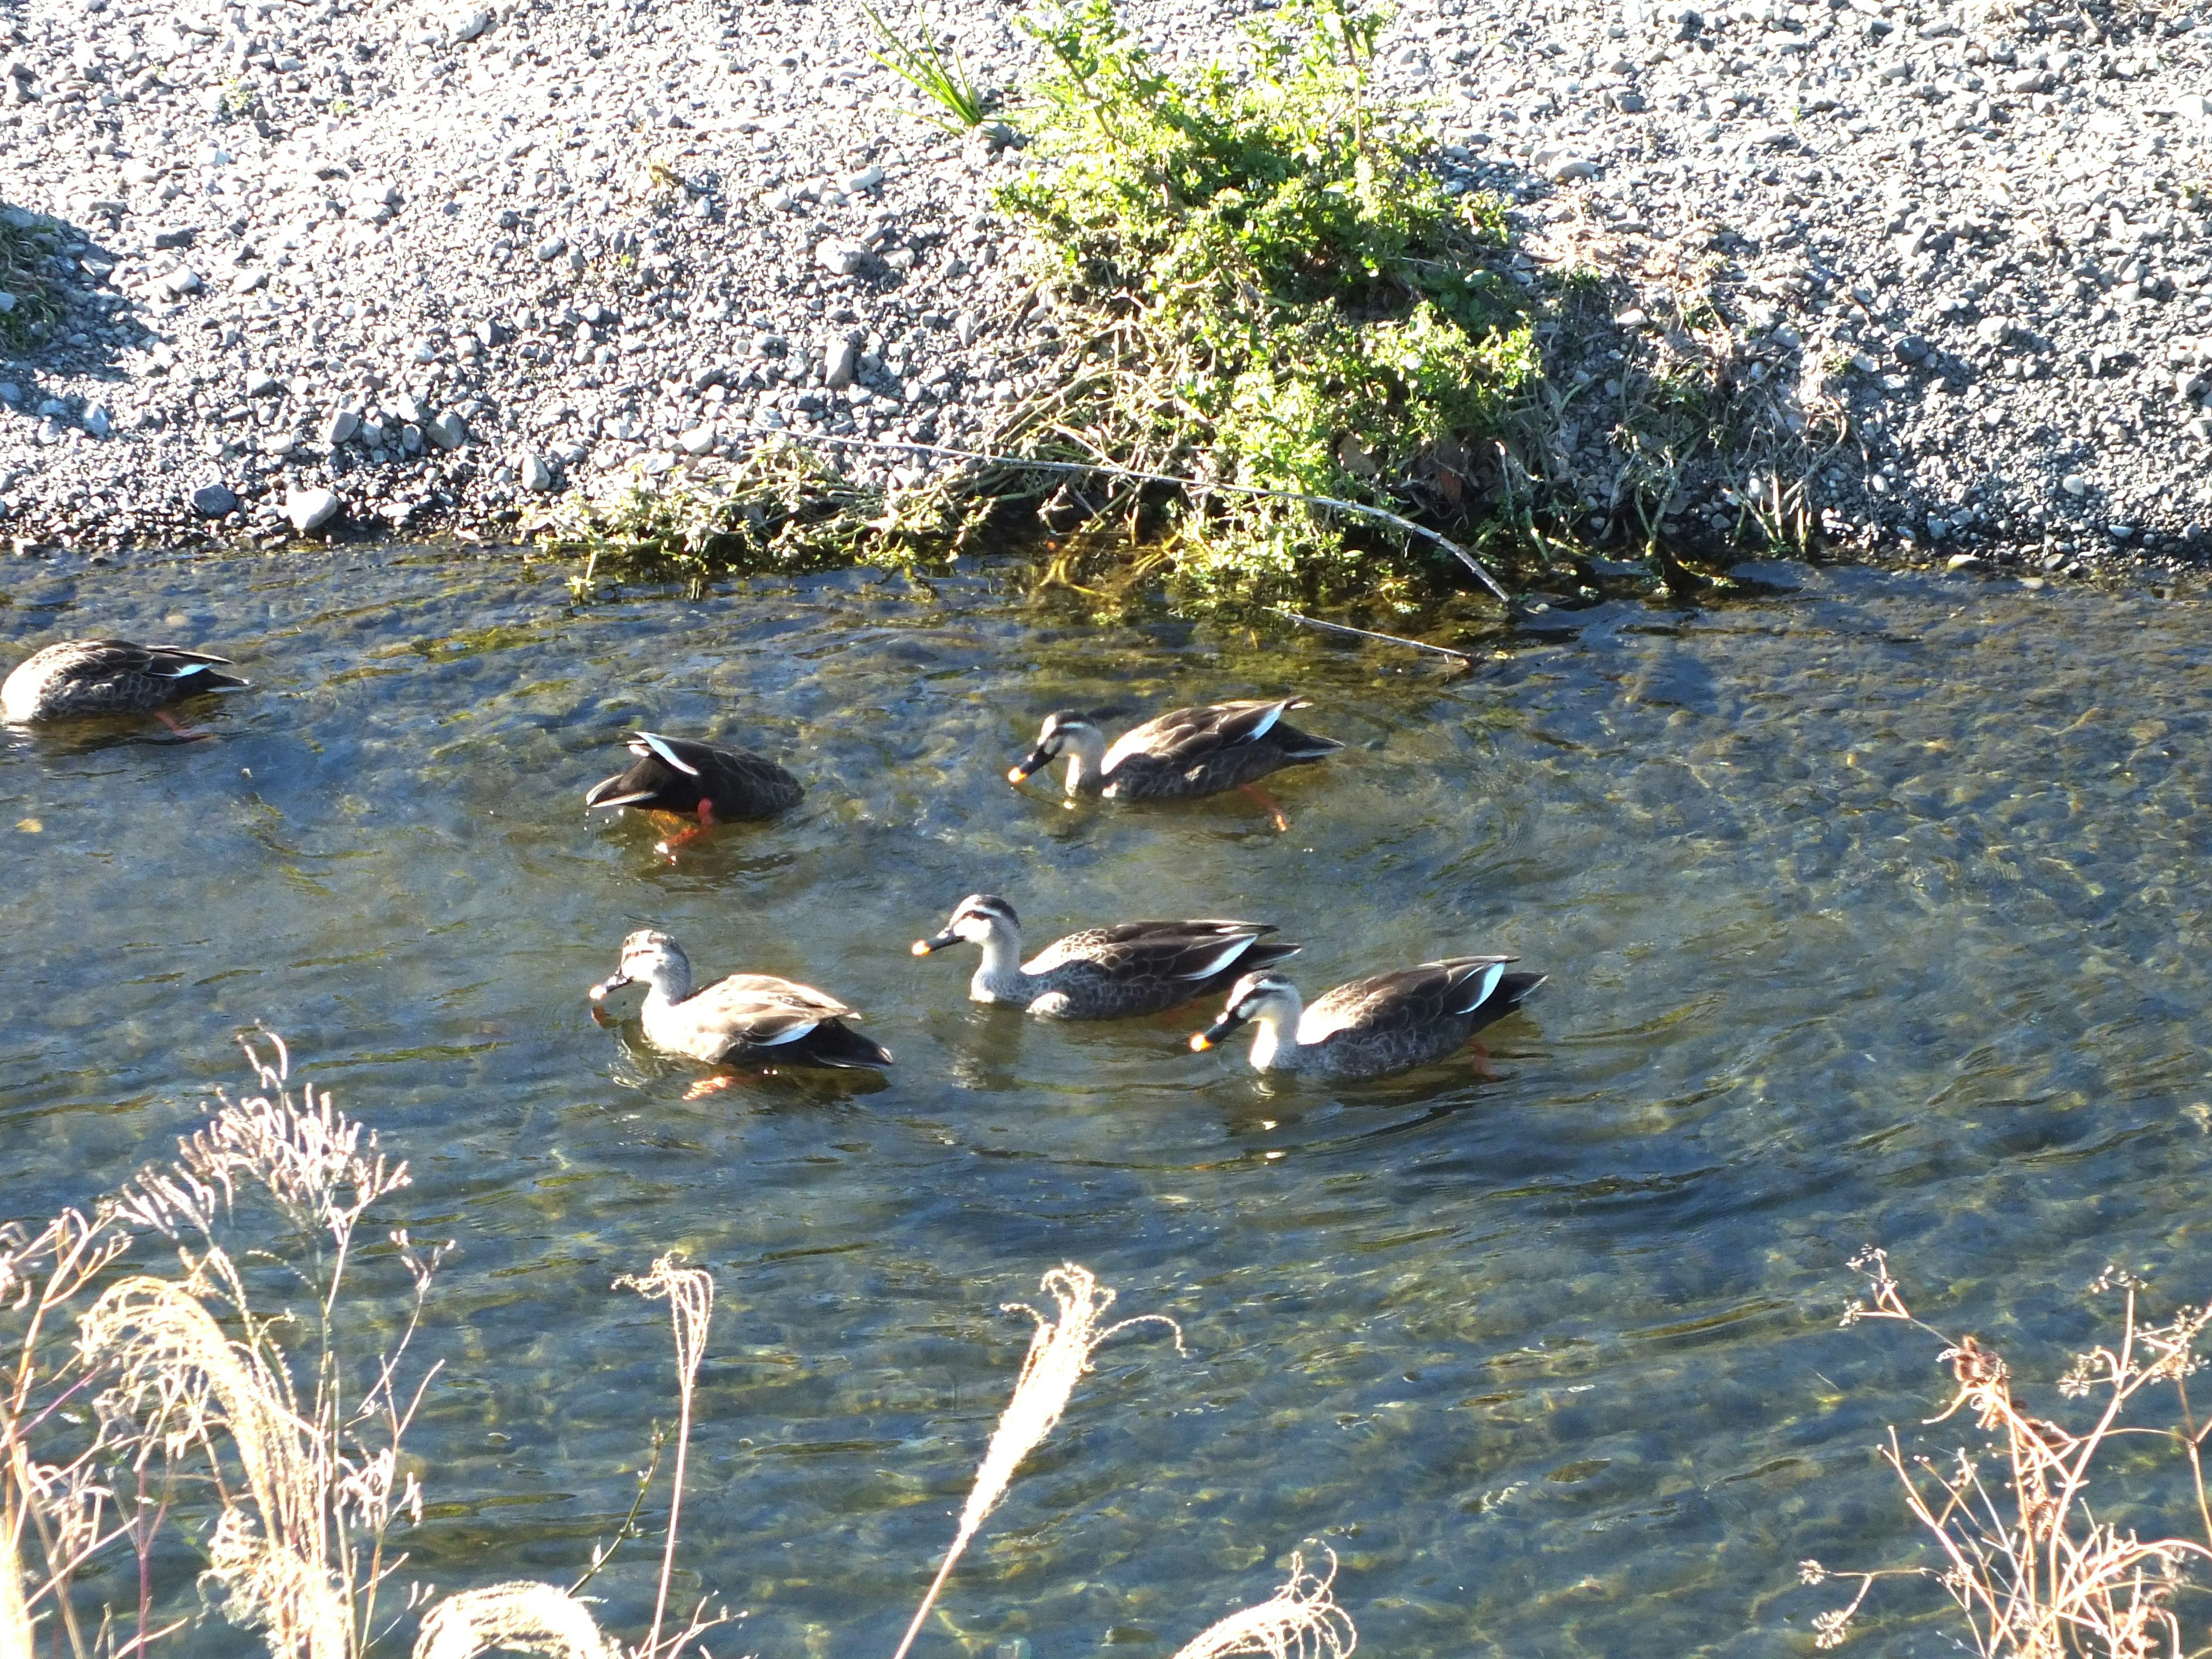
(1869, 912)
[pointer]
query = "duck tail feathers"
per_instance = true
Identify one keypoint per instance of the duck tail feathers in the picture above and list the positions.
(834, 1043)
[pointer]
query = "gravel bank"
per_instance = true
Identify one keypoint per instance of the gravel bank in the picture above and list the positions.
(336, 265)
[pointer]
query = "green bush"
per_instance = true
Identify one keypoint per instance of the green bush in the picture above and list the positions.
(1279, 294)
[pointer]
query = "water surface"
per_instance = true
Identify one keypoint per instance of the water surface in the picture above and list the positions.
(1871, 912)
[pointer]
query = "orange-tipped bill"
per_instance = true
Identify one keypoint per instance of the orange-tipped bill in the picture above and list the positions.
(1036, 761)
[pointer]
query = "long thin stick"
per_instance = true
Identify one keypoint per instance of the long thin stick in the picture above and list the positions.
(1106, 470)
(1370, 634)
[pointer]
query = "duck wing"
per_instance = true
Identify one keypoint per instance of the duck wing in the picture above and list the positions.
(1195, 950)
(1184, 735)
(761, 1010)
(193, 670)
(1409, 998)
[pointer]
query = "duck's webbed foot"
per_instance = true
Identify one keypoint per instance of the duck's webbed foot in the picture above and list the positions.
(707, 821)
(709, 1085)
(1266, 801)
(188, 733)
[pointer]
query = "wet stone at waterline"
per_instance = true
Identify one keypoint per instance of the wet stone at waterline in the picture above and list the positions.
(1872, 912)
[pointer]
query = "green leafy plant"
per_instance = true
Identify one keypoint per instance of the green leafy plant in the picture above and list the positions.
(1276, 292)
(27, 244)
(933, 68)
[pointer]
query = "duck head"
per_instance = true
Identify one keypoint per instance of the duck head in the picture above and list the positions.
(974, 919)
(1256, 996)
(1065, 731)
(650, 957)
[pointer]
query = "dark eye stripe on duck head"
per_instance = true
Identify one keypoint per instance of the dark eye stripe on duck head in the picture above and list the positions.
(1253, 992)
(988, 906)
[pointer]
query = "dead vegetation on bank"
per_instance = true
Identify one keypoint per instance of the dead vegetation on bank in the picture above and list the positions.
(195, 1356)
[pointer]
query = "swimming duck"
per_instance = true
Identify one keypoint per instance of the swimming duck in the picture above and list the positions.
(1102, 973)
(1374, 1026)
(109, 677)
(1186, 751)
(754, 1018)
(709, 781)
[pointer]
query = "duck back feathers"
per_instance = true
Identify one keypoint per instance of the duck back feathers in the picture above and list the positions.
(108, 677)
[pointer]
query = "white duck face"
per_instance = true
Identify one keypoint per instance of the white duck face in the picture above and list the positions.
(976, 919)
(650, 957)
(1267, 997)
(1063, 733)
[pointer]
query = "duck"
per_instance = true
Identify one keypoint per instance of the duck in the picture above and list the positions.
(1104, 973)
(109, 677)
(709, 781)
(1201, 750)
(1370, 1027)
(746, 1018)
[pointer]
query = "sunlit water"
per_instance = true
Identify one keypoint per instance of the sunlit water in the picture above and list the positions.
(1872, 913)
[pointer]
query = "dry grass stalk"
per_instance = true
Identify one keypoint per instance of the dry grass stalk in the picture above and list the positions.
(2036, 1572)
(691, 1293)
(1059, 1354)
(1301, 1620)
(523, 1617)
(182, 1380)
(54, 1515)
(305, 1469)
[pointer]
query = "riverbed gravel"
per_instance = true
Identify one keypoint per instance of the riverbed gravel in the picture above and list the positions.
(329, 266)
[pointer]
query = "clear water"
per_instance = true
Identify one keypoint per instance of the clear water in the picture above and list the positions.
(1871, 913)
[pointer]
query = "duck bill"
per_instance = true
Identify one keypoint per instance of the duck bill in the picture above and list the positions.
(1036, 761)
(1212, 1035)
(922, 947)
(601, 992)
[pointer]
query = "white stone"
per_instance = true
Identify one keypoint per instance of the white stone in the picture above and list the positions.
(842, 363)
(448, 430)
(98, 422)
(340, 425)
(2075, 485)
(310, 509)
(534, 474)
(840, 258)
(182, 281)
(468, 25)
(697, 441)
(409, 408)
(551, 249)
(870, 178)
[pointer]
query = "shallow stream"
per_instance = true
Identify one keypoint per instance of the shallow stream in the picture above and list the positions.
(1872, 912)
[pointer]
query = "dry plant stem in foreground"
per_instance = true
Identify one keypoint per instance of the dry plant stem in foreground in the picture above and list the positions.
(1299, 1621)
(2037, 1572)
(1059, 1353)
(304, 1466)
(691, 1293)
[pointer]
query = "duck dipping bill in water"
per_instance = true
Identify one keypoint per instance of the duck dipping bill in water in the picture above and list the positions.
(1186, 751)
(1374, 1026)
(109, 677)
(746, 1019)
(1104, 973)
(708, 782)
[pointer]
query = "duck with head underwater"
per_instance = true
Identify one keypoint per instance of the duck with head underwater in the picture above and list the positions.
(109, 677)
(710, 782)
